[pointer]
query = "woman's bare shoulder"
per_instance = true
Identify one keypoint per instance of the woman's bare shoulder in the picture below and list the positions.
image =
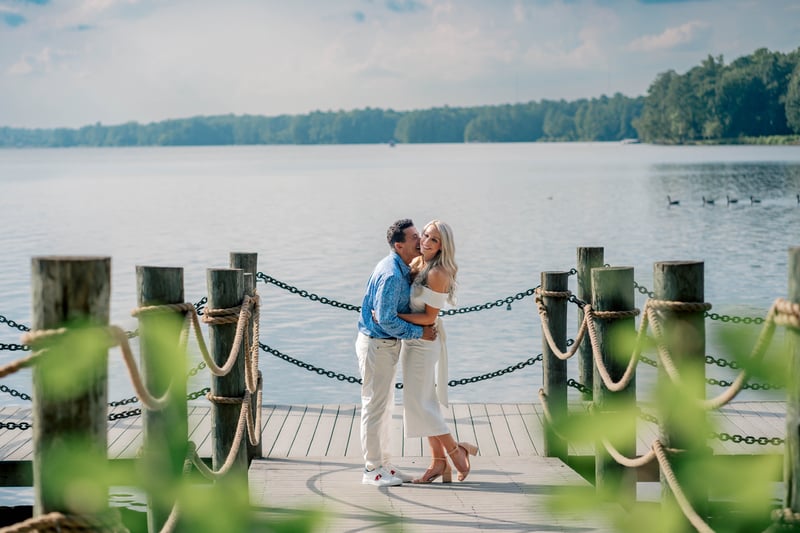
(438, 280)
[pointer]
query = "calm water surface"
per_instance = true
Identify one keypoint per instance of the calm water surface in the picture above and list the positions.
(317, 217)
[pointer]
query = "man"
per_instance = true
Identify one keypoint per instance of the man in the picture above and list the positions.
(378, 349)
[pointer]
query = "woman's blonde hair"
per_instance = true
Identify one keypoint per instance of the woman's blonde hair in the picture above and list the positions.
(445, 259)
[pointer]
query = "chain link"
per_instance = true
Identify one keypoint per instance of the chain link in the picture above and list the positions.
(725, 437)
(112, 416)
(12, 324)
(580, 386)
(305, 294)
(14, 347)
(747, 439)
(507, 301)
(15, 425)
(352, 379)
(15, 393)
(713, 316)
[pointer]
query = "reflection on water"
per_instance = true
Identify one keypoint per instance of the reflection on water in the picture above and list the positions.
(317, 216)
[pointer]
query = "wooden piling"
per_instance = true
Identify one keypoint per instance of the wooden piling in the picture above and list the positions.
(791, 470)
(554, 370)
(248, 263)
(612, 290)
(683, 424)
(70, 385)
(225, 291)
(164, 367)
(588, 258)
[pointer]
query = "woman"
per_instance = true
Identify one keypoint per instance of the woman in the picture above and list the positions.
(434, 275)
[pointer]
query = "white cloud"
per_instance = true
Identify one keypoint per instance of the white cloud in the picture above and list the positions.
(45, 61)
(148, 60)
(669, 38)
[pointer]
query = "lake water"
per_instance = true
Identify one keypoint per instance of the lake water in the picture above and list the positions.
(317, 216)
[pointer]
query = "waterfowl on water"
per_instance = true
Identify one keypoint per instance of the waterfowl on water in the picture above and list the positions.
(732, 200)
(755, 200)
(708, 201)
(670, 201)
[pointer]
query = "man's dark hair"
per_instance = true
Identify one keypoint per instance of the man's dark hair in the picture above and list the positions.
(396, 232)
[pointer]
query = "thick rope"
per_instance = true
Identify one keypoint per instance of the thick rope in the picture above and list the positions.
(244, 313)
(117, 337)
(548, 416)
(666, 469)
(546, 324)
(163, 308)
(232, 453)
(19, 364)
(254, 423)
(759, 349)
(65, 523)
(148, 400)
(608, 381)
(787, 313)
(627, 461)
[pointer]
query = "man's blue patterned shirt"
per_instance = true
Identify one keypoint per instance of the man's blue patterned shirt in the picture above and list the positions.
(388, 292)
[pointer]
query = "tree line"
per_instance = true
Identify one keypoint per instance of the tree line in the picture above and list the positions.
(756, 95)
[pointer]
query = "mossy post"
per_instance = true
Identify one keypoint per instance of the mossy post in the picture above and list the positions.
(683, 424)
(554, 370)
(248, 263)
(612, 290)
(70, 385)
(226, 291)
(164, 368)
(791, 474)
(588, 258)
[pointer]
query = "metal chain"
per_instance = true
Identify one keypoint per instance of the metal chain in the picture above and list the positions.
(15, 425)
(496, 373)
(747, 439)
(15, 393)
(713, 316)
(352, 379)
(507, 301)
(112, 416)
(724, 437)
(305, 294)
(12, 324)
(580, 386)
(14, 347)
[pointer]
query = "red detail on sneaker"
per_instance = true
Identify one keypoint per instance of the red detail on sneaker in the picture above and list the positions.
(378, 477)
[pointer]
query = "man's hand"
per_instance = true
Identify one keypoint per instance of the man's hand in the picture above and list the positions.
(428, 333)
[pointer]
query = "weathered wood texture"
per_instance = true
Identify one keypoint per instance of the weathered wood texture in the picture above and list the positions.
(70, 390)
(225, 291)
(333, 429)
(554, 370)
(612, 290)
(164, 368)
(588, 258)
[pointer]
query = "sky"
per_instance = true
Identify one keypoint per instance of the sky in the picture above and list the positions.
(70, 63)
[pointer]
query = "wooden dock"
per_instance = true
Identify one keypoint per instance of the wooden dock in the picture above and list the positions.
(312, 459)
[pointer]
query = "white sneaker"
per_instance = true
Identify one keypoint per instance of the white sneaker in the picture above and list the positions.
(405, 478)
(380, 477)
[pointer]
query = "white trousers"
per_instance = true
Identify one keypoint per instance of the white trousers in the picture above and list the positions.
(377, 362)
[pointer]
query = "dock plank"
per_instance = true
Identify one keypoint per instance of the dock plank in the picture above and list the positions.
(334, 430)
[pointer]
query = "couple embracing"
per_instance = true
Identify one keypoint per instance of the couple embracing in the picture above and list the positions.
(399, 321)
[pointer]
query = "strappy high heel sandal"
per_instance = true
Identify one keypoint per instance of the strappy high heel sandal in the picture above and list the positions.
(429, 476)
(469, 449)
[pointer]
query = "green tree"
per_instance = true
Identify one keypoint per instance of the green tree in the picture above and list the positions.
(792, 104)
